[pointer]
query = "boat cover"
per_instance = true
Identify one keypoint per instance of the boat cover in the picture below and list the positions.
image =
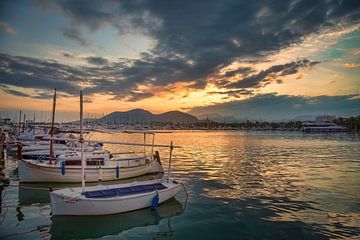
(114, 192)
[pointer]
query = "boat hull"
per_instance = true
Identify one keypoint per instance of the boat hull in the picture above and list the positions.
(66, 204)
(30, 172)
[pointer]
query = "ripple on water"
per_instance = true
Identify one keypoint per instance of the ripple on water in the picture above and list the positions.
(257, 185)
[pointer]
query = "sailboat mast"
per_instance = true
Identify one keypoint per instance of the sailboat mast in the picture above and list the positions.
(34, 125)
(24, 123)
(20, 122)
(52, 129)
(82, 144)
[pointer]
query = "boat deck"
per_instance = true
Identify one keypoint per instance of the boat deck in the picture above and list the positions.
(124, 191)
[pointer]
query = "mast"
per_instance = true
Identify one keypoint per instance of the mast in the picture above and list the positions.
(24, 123)
(52, 129)
(34, 125)
(20, 121)
(82, 144)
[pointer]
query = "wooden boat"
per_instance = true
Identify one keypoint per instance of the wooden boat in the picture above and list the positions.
(111, 199)
(67, 168)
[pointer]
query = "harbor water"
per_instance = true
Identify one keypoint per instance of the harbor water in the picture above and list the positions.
(240, 185)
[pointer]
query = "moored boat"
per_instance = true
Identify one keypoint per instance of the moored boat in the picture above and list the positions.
(99, 166)
(111, 199)
(322, 126)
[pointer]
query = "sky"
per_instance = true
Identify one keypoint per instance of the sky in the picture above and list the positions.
(246, 59)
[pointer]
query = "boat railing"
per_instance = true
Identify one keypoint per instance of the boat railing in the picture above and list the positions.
(171, 147)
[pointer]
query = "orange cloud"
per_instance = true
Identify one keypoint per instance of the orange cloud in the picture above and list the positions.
(352, 65)
(300, 76)
(356, 51)
(7, 27)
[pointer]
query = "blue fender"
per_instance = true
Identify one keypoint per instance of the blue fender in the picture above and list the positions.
(155, 201)
(63, 167)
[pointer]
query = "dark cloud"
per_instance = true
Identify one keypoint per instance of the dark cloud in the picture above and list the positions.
(195, 38)
(33, 73)
(97, 60)
(44, 95)
(241, 70)
(47, 75)
(233, 93)
(276, 107)
(266, 76)
(199, 84)
(7, 90)
(74, 34)
(193, 41)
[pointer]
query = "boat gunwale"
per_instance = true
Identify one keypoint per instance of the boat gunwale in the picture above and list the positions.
(95, 167)
(80, 197)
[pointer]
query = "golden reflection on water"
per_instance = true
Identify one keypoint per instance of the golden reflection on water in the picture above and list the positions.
(315, 170)
(245, 182)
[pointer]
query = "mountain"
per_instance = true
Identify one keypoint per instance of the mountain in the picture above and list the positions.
(175, 117)
(141, 115)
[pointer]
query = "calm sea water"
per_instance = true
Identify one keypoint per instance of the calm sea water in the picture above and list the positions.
(241, 185)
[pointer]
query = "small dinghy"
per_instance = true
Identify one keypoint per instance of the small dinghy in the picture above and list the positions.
(111, 199)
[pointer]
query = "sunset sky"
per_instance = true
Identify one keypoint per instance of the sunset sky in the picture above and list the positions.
(247, 59)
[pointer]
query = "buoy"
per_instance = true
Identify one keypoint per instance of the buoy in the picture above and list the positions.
(155, 201)
(63, 167)
(117, 170)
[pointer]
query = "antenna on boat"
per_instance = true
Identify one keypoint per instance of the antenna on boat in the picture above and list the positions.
(52, 129)
(81, 140)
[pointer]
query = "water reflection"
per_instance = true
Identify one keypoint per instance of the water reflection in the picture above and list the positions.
(252, 185)
(81, 227)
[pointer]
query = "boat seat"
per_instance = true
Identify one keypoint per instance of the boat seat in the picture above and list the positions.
(114, 192)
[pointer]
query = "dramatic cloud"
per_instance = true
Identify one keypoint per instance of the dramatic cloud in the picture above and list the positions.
(193, 42)
(37, 74)
(277, 107)
(97, 60)
(75, 34)
(233, 93)
(7, 27)
(267, 76)
(196, 38)
(13, 92)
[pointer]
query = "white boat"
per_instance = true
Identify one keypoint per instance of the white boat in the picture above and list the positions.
(111, 199)
(99, 166)
(322, 126)
(45, 155)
